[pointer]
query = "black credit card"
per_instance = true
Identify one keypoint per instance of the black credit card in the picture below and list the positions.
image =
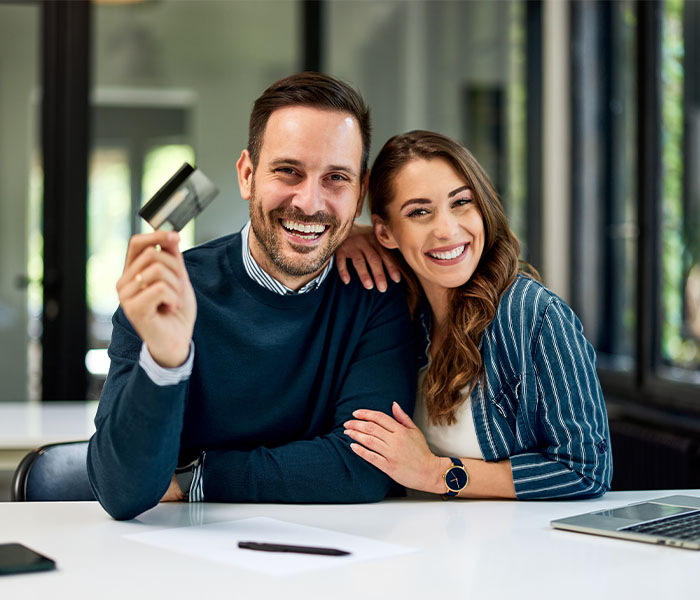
(182, 197)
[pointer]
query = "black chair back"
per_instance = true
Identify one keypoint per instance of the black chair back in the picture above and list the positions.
(55, 472)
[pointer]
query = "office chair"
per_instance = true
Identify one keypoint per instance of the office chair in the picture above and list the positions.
(53, 472)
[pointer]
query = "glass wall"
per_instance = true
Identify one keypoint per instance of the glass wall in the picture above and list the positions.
(604, 178)
(20, 188)
(453, 67)
(173, 81)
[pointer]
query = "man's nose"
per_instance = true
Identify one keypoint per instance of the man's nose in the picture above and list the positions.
(309, 197)
(446, 225)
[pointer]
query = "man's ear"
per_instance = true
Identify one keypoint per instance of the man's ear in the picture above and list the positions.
(363, 194)
(383, 233)
(244, 166)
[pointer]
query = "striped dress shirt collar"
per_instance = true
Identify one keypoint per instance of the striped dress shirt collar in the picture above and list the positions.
(257, 274)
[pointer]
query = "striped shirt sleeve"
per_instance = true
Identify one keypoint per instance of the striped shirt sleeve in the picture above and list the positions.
(574, 458)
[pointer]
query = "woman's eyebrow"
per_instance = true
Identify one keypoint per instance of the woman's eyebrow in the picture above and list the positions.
(414, 201)
(457, 191)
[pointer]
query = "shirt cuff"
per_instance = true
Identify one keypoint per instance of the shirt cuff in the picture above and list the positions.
(162, 375)
(197, 488)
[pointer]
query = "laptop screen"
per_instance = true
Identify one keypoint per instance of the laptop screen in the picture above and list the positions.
(648, 511)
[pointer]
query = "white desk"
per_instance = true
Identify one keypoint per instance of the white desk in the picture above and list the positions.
(467, 550)
(28, 425)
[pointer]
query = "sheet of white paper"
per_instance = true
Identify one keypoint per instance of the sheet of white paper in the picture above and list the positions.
(219, 542)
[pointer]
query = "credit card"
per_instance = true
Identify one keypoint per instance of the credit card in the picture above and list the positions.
(182, 197)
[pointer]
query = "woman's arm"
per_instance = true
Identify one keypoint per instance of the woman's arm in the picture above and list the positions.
(363, 250)
(398, 448)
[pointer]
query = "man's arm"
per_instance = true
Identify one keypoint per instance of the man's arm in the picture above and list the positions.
(132, 455)
(133, 452)
(325, 469)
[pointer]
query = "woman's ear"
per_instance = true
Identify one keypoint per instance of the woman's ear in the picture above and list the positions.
(383, 233)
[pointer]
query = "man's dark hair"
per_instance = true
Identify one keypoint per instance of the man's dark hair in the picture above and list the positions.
(315, 90)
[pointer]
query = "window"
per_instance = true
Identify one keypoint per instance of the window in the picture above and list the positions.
(636, 197)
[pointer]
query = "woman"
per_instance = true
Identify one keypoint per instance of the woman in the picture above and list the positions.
(509, 402)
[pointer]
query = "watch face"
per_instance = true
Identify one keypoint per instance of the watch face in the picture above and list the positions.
(456, 479)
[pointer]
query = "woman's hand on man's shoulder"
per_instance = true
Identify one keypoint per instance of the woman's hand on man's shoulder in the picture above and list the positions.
(368, 257)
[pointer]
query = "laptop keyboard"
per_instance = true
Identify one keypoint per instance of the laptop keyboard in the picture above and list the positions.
(683, 527)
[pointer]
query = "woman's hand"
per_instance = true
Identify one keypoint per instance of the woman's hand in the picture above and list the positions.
(363, 249)
(397, 447)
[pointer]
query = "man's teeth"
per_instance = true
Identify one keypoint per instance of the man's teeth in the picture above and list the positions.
(448, 255)
(307, 230)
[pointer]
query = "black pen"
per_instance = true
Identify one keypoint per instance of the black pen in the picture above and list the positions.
(264, 547)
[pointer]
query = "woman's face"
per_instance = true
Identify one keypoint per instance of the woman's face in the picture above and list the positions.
(435, 224)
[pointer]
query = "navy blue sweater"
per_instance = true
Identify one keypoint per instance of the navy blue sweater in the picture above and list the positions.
(274, 379)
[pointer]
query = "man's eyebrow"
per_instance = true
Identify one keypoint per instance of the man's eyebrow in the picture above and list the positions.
(285, 161)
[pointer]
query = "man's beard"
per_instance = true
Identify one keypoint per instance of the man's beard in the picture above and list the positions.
(265, 228)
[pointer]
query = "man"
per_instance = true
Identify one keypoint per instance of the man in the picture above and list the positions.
(245, 357)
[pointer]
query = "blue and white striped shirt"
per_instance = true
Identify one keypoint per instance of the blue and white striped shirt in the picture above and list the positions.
(164, 376)
(540, 403)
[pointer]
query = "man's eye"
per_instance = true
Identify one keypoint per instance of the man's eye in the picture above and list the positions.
(285, 170)
(417, 212)
(338, 177)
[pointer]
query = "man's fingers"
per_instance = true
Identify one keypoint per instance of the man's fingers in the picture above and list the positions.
(158, 296)
(153, 273)
(167, 240)
(150, 256)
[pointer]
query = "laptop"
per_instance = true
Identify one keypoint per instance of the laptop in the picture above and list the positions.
(672, 520)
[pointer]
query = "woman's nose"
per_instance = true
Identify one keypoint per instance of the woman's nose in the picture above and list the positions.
(446, 225)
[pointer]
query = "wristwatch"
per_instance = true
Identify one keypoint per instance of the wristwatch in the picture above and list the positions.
(456, 478)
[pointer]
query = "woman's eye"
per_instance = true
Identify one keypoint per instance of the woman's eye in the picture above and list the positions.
(462, 201)
(418, 212)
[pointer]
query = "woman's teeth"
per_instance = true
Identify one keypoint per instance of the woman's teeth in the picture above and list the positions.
(448, 255)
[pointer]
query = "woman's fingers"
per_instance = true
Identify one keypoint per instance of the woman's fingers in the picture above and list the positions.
(401, 416)
(371, 457)
(378, 417)
(373, 442)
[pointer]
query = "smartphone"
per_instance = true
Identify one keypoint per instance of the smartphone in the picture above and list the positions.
(16, 558)
(186, 194)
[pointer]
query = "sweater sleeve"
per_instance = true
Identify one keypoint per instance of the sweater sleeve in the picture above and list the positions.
(133, 453)
(574, 457)
(325, 469)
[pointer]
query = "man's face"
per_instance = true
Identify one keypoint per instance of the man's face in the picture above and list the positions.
(305, 191)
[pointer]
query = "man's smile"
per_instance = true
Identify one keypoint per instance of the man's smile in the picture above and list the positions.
(307, 232)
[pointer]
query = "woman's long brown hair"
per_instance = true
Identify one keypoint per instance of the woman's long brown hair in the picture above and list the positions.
(472, 307)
